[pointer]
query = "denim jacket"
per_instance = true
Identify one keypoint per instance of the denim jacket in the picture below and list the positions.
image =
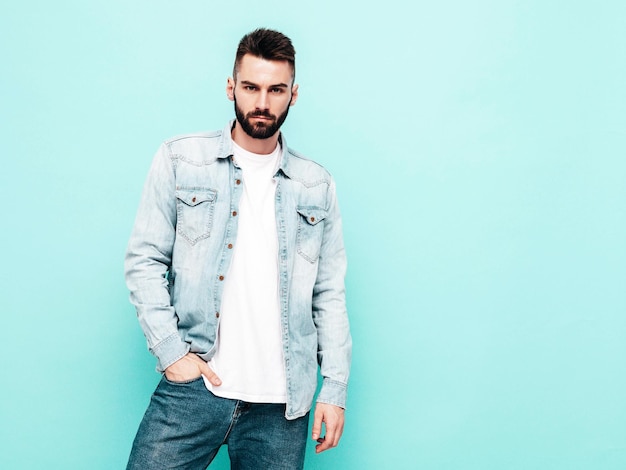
(182, 244)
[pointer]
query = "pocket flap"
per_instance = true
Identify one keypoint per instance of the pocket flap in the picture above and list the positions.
(194, 196)
(313, 215)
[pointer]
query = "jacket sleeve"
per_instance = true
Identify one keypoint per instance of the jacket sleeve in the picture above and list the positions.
(329, 309)
(148, 260)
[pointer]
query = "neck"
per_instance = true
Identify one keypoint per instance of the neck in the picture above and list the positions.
(258, 146)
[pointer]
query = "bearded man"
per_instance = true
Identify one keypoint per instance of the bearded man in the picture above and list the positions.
(236, 267)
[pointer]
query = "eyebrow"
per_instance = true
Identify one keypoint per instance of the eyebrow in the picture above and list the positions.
(278, 85)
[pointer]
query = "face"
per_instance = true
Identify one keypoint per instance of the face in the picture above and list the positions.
(263, 93)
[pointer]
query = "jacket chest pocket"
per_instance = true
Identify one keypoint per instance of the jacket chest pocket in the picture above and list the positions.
(194, 209)
(310, 232)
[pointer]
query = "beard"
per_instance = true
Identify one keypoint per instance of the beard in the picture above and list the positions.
(261, 129)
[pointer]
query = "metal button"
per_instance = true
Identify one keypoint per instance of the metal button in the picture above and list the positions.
(193, 199)
(237, 181)
(312, 219)
(217, 314)
(230, 246)
(221, 278)
(234, 213)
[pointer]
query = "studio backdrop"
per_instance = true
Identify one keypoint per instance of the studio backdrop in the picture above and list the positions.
(479, 149)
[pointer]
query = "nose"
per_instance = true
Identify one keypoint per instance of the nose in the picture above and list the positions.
(262, 101)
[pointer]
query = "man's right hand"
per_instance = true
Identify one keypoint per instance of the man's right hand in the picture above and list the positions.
(190, 367)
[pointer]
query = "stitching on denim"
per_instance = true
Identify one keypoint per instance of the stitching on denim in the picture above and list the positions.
(206, 135)
(181, 157)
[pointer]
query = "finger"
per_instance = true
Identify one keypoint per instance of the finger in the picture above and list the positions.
(338, 422)
(324, 444)
(331, 437)
(338, 433)
(209, 374)
(334, 429)
(204, 369)
(316, 431)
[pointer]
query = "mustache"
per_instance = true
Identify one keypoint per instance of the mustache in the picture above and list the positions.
(261, 113)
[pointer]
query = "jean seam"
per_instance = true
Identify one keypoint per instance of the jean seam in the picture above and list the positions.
(233, 421)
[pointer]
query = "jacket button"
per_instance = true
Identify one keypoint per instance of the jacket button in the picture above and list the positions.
(237, 181)
(217, 314)
(221, 278)
(193, 199)
(234, 213)
(312, 219)
(230, 246)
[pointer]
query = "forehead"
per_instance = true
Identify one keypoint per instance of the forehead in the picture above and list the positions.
(258, 70)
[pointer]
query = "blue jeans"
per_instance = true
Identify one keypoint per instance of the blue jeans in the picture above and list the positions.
(185, 425)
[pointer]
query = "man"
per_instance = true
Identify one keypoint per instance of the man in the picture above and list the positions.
(236, 267)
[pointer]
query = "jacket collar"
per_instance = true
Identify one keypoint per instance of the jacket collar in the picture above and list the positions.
(226, 148)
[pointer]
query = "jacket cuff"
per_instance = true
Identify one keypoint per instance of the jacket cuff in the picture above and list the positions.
(333, 393)
(168, 351)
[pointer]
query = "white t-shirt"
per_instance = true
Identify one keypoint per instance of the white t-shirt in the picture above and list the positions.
(249, 355)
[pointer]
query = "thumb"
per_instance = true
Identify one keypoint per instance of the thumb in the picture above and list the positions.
(209, 374)
(316, 430)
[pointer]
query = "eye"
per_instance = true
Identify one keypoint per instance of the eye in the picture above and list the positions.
(249, 87)
(276, 90)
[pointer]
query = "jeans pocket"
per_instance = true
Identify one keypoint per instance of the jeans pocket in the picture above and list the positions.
(310, 232)
(194, 210)
(184, 382)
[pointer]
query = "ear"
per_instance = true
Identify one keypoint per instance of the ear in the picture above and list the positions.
(230, 89)
(294, 95)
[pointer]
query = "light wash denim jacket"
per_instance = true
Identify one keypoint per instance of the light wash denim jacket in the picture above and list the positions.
(182, 244)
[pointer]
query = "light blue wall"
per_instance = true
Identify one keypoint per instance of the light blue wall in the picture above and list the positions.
(480, 154)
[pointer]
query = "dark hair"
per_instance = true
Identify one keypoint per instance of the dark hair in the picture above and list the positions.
(266, 44)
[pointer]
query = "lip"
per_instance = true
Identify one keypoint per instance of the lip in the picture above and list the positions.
(262, 118)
